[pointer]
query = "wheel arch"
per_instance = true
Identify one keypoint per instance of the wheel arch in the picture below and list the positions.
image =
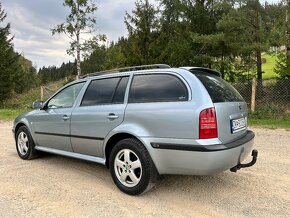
(18, 125)
(113, 140)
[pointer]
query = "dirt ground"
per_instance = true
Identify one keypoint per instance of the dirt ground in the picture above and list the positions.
(54, 186)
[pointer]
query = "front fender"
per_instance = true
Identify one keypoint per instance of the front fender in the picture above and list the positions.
(23, 119)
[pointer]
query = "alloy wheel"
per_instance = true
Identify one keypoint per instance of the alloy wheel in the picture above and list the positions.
(128, 168)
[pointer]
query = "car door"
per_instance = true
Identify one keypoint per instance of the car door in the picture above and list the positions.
(159, 102)
(52, 125)
(101, 110)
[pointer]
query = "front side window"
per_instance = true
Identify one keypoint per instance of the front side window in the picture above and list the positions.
(66, 97)
(157, 88)
(105, 91)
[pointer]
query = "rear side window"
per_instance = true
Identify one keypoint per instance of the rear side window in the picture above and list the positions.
(218, 89)
(157, 88)
(105, 91)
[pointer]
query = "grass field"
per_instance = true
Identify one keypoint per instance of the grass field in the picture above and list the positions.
(20, 103)
(10, 114)
(270, 123)
(268, 67)
(24, 101)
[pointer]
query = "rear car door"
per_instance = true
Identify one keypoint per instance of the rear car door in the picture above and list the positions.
(159, 103)
(52, 125)
(101, 110)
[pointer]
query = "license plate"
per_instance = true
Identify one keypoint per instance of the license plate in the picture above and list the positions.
(238, 124)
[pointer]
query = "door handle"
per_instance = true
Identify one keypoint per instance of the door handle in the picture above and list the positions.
(112, 116)
(65, 117)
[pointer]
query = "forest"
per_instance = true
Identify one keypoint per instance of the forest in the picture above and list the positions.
(227, 35)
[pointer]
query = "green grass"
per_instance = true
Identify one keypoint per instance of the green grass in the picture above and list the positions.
(268, 67)
(10, 114)
(20, 103)
(270, 123)
(24, 100)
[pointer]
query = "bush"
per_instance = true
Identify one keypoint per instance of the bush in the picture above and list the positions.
(269, 111)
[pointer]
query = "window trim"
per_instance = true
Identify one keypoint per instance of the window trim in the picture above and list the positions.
(177, 76)
(114, 92)
(124, 101)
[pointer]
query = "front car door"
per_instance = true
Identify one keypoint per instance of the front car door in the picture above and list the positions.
(52, 125)
(101, 110)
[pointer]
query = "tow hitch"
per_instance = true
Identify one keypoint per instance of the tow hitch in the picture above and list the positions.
(240, 166)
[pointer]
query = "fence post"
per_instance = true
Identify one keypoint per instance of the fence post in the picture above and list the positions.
(41, 93)
(253, 97)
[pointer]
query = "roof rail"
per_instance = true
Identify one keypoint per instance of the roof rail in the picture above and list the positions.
(134, 68)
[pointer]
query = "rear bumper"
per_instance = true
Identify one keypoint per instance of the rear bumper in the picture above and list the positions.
(187, 159)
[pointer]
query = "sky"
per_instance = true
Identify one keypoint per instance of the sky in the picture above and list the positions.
(31, 21)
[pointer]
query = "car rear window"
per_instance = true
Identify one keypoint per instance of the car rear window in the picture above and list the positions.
(218, 89)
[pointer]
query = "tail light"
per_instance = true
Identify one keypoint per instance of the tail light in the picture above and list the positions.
(207, 124)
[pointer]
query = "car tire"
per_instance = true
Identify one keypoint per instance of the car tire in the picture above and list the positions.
(131, 167)
(25, 144)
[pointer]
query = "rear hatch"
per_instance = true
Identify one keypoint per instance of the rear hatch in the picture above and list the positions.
(230, 107)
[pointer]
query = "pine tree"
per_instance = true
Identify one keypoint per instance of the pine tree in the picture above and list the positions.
(9, 65)
(142, 26)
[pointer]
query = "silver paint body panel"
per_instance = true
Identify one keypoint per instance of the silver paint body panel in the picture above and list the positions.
(86, 133)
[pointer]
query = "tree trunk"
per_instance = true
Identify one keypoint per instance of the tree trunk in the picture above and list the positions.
(78, 43)
(223, 67)
(78, 57)
(258, 52)
(288, 32)
(259, 65)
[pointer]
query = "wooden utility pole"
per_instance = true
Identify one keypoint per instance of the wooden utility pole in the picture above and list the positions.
(41, 93)
(253, 97)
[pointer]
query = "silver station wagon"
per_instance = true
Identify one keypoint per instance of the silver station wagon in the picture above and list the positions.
(143, 122)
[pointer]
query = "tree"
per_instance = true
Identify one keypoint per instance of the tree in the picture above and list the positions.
(214, 46)
(283, 64)
(173, 40)
(81, 20)
(96, 60)
(288, 36)
(6, 57)
(14, 73)
(142, 26)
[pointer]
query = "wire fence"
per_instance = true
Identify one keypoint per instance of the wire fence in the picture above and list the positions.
(47, 91)
(271, 98)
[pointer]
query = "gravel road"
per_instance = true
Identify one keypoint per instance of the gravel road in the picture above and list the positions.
(54, 186)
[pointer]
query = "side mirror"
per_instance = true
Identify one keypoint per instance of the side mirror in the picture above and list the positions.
(37, 105)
